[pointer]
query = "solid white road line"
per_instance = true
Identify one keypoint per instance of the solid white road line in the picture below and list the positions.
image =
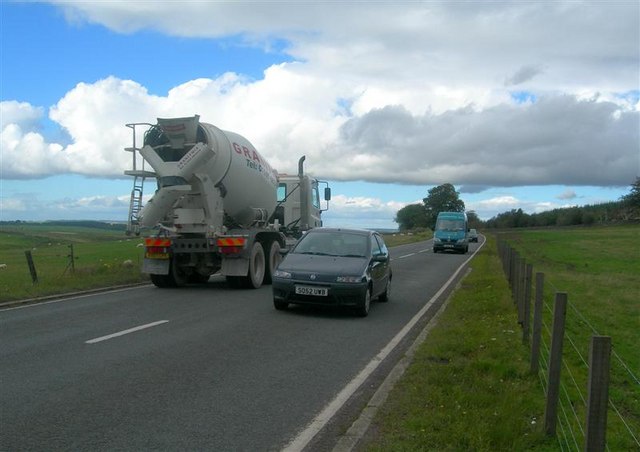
(122, 333)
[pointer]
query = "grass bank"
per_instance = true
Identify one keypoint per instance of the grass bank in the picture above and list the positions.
(99, 258)
(469, 386)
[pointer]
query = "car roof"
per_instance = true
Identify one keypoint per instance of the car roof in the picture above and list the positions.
(348, 230)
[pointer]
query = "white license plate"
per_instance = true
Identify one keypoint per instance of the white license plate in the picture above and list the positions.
(448, 246)
(314, 291)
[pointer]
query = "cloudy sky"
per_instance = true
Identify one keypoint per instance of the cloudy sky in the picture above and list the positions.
(518, 104)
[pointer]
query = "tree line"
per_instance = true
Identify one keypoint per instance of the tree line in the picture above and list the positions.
(446, 198)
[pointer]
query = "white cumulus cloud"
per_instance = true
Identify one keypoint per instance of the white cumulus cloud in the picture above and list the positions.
(399, 92)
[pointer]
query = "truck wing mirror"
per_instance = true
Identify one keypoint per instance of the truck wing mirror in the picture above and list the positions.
(327, 193)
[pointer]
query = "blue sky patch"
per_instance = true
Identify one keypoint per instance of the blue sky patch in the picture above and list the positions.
(523, 97)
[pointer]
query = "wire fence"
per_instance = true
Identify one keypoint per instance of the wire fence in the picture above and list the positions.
(56, 268)
(577, 422)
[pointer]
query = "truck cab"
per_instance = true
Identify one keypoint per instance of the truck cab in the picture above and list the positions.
(299, 207)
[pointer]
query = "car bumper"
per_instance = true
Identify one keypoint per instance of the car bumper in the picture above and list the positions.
(337, 295)
(449, 246)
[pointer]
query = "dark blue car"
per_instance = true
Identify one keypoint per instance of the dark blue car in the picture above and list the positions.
(334, 267)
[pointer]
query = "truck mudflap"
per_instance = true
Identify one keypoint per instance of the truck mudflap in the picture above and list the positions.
(156, 266)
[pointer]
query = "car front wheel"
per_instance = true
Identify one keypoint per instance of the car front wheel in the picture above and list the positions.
(384, 297)
(280, 305)
(365, 304)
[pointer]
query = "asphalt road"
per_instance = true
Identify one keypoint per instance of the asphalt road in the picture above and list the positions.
(198, 368)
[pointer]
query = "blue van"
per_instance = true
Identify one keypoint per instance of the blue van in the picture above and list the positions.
(451, 232)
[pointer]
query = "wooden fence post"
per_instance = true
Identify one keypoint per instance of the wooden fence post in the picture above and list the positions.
(72, 258)
(555, 363)
(32, 267)
(71, 265)
(527, 304)
(537, 323)
(520, 293)
(512, 270)
(505, 257)
(598, 393)
(515, 277)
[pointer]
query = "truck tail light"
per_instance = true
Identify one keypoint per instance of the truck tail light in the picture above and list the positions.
(231, 245)
(157, 248)
(151, 241)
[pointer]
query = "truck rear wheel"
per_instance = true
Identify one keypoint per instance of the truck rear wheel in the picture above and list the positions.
(257, 267)
(175, 278)
(272, 261)
(198, 278)
(161, 281)
(176, 275)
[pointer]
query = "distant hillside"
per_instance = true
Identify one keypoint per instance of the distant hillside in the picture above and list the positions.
(605, 213)
(110, 226)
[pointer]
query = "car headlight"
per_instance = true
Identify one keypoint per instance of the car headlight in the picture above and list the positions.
(349, 279)
(281, 274)
(437, 240)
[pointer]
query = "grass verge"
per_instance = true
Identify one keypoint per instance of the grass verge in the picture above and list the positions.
(469, 386)
(99, 260)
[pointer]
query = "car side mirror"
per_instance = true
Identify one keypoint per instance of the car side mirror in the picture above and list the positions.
(380, 258)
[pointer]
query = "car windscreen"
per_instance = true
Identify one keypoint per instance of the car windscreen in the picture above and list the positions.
(341, 244)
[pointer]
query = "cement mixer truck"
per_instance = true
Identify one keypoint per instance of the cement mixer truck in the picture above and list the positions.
(218, 207)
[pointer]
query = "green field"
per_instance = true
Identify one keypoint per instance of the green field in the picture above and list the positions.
(599, 269)
(402, 238)
(99, 256)
(469, 386)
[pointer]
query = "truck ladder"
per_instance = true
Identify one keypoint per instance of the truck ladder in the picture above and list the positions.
(135, 206)
(139, 175)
